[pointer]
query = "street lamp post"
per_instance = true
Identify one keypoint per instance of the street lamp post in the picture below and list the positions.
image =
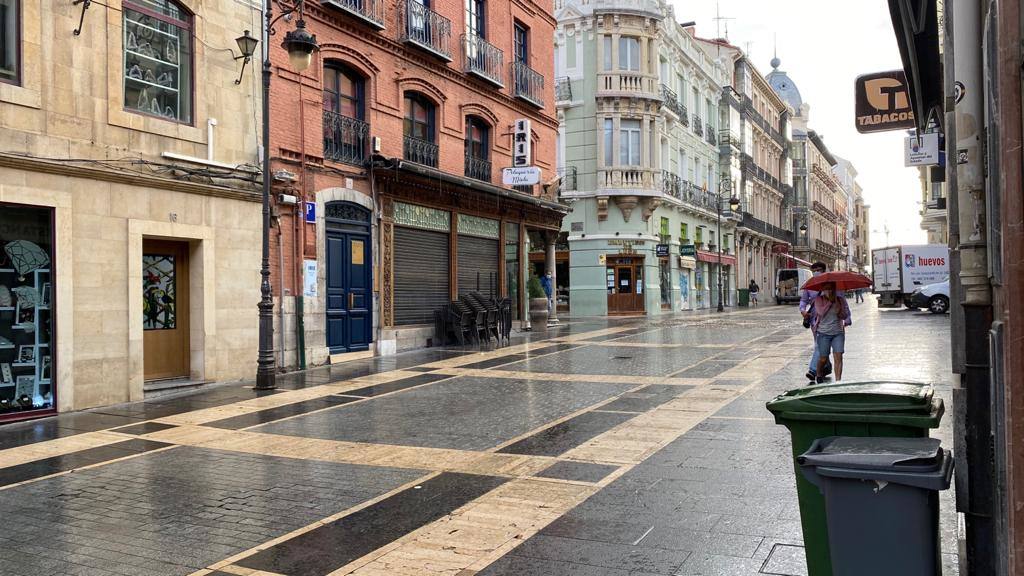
(300, 45)
(734, 205)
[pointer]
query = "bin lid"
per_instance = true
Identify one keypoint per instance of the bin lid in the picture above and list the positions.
(916, 462)
(915, 397)
(893, 454)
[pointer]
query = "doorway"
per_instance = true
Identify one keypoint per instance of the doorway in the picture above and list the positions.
(165, 309)
(625, 282)
(349, 278)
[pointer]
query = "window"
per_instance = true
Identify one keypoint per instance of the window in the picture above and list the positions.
(10, 41)
(663, 230)
(345, 133)
(684, 233)
(522, 45)
(700, 235)
(695, 107)
(629, 53)
(477, 137)
(608, 151)
(158, 59)
(343, 91)
(475, 18)
(607, 50)
(629, 143)
(419, 117)
(570, 52)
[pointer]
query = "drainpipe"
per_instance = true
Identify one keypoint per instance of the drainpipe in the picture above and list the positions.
(280, 274)
(975, 486)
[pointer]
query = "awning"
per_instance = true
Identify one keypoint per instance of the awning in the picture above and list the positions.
(917, 33)
(799, 261)
(713, 258)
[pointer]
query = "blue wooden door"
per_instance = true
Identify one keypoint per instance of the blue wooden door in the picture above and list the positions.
(349, 292)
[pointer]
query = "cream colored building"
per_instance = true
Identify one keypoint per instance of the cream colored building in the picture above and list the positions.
(129, 202)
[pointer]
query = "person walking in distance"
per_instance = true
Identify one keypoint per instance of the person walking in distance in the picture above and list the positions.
(754, 289)
(806, 310)
(830, 318)
(860, 295)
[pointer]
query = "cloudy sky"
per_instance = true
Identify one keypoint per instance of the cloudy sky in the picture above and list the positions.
(824, 45)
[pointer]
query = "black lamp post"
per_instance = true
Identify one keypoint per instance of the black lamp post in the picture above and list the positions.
(300, 45)
(734, 205)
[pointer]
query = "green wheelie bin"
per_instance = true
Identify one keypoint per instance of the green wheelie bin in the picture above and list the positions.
(744, 297)
(876, 409)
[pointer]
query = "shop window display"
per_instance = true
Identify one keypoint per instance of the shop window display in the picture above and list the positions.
(158, 59)
(26, 320)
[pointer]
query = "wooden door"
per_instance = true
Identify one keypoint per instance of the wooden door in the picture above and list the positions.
(349, 325)
(625, 292)
(165, 309)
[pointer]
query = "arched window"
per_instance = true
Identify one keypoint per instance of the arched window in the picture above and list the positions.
(478, 142)
(345, 132)
(419, 129)
(158, 59)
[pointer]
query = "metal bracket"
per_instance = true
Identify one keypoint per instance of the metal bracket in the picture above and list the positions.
(85, 6)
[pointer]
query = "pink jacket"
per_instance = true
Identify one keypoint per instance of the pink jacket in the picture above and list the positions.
(821, 307)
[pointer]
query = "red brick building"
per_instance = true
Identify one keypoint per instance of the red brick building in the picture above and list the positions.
(398, 134)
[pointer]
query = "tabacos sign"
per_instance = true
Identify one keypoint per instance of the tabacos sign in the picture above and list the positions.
(883, 102)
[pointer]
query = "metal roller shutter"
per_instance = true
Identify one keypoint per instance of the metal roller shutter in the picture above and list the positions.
(478, 263)
(421, 274)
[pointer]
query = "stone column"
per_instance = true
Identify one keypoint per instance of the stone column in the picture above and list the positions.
(550, 236)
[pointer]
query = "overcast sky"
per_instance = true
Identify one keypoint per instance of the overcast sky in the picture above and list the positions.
(824, 45)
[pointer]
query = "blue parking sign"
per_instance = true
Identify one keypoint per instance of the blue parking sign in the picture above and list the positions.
(311, 212)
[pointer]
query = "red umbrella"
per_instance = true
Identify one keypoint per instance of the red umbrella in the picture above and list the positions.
(842, 281)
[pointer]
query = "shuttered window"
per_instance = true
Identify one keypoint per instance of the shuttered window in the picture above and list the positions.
(421, 274)
(478, 265)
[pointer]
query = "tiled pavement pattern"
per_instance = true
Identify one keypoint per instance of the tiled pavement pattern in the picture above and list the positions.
(623, 447)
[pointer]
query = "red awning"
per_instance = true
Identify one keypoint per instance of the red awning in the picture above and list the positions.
(712, 257)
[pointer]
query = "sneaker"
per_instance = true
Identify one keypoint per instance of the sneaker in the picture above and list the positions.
(828, 370)
(820, 380)
(810, 375)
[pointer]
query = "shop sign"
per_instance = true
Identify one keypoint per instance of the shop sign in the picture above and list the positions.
(921, 150)
(883, 102)
(602, 259)
(687, 249)
(627, 246)
(521, 144)
(525, 176)
(661, 250)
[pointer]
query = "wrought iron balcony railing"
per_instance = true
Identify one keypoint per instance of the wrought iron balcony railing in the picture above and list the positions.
(528, 84)
(698, 125)
(369, 11)
(710, 135)
(420, 151)
(425, 28)
(758, 225)
(563, 89)
(670, 100)
(671, 184)
(482, 59)
(345, 139)
(568, 181)
(478, 168)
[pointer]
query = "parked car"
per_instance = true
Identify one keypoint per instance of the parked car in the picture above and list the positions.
(934, 297)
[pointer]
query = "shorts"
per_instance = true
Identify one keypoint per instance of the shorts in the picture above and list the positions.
(826, 343)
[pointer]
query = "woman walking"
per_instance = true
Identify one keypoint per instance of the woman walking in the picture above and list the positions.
(830, 318)
(754, 289)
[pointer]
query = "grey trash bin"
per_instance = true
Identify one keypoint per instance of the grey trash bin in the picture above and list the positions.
(881, 502)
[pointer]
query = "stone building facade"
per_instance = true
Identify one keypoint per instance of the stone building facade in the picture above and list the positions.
(390, 149)
(129, 203)
(638, 111)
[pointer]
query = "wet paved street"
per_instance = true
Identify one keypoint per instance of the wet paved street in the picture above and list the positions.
(619, 447)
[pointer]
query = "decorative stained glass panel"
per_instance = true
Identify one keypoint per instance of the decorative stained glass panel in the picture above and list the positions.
(158, 292)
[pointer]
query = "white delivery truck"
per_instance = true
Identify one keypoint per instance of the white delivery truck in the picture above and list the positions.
(899, 270)
(788, 282)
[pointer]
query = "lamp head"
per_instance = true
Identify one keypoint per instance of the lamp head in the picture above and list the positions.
(246, 45)
(300, 45)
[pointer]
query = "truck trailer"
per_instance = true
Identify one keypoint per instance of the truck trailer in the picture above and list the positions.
(899, 270)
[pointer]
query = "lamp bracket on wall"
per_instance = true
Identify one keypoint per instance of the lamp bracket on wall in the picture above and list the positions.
(85, 6)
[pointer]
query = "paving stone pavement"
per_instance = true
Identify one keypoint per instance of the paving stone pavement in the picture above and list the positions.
(715, 494)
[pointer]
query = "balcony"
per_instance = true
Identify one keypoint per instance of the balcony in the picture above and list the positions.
(478, 168)
(698, 126)
(825, 212)
(697, 196)
(710, 135)
(528, 84)
(563, 89)
(827, 249)
(626, 177)
(627, 84)
(420, 151)
(369, 11)
(670, 100)
(345, 139)
(567, 183)
(422, 27)
(757, 225)
(672, 184)
(482, 59)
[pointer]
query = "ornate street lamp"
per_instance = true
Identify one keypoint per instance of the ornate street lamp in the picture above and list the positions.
(300, 45)
(734, 206)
